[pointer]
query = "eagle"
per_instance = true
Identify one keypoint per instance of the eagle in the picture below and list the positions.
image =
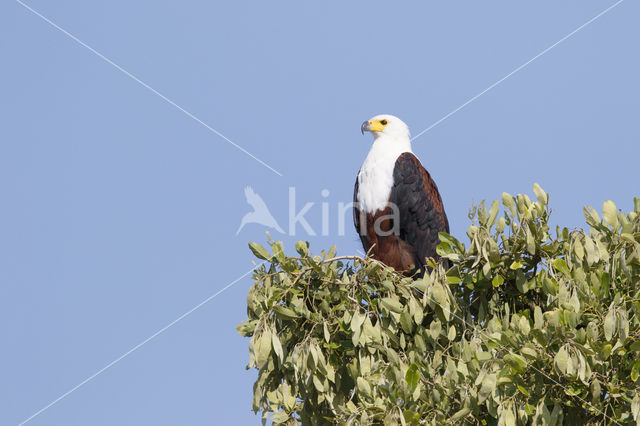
(398, 210)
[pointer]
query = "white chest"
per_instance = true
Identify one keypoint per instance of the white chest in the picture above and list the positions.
(375, 179)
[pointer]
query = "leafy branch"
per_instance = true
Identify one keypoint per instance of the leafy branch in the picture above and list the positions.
(524, 327)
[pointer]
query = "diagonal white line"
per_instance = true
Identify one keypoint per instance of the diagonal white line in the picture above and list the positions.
(136, 347)
(145, 85)
(518, 69)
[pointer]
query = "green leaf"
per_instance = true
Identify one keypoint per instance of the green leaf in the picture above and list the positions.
(406, 322)
(508, 416)
(593, 255)
(439, 294)
(454, 244)
(605, 351)
(483, 356)
(531, 242)
(412, 376)
(493, 213)
(420, 285)
(277, 346)
(392, 304)
(392, 356)
(516, 264)
(610, 213)
(538, 321)
(364, 388)
(302, 248)
(507, 200)
(372, 331)
(592, 216)
(529, 353)
(460, 414)
(542, 196)
(259, 251)
(444, 249)
(596, 391)
(416, 311)
(262, 348)
(279, 417)
(561, 266)
(435, 328)
(356, 321)
(610, 324)
(622, 324)
(325, 330)
(635, 407)
(561, 360)
(635, 370)
(516, 362)
(578, 248)
(497, 281)
(487, 387)
(318, 383)
(549, 286)
(451, 335)
(284, 313)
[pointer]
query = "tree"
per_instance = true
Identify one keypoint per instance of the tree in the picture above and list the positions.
(524, 328)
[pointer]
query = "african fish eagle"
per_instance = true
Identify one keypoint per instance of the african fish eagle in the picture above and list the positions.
(398, 210)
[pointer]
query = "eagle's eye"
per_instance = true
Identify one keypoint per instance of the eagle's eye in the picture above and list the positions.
(384, 122)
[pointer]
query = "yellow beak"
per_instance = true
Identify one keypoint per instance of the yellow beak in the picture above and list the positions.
(371, 126)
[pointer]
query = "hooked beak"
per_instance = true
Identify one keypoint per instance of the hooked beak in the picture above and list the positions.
(372, 126)
(366, 126)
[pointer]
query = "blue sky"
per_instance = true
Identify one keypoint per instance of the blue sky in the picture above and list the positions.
(120, 211)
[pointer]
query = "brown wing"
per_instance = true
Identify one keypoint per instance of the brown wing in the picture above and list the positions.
(419, 206)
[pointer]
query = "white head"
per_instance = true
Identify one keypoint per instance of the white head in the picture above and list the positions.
(386, 125)
(375, 180)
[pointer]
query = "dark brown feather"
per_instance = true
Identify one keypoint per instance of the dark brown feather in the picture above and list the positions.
(421, 216)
